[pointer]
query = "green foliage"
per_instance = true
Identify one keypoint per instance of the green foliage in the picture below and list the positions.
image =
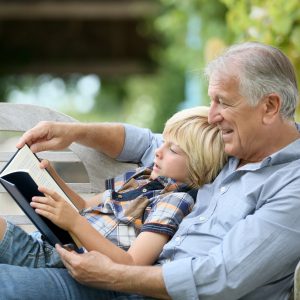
(275, 23)
(222, 23)
(152, 100)
(190, 33)
(268, 21)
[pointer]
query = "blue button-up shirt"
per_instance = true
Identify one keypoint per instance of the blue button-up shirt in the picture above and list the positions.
(242, 238)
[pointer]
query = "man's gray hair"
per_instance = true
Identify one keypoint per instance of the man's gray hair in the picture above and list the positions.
(261, 70)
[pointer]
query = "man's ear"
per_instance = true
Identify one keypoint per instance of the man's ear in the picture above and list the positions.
(271, 106)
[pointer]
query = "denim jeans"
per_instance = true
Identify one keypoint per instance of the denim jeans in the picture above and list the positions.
(30, 269)
(22, 249)
(48, 284)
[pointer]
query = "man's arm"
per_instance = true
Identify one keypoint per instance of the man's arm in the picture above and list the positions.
(124, 142)
(105, 137)
(96, 270)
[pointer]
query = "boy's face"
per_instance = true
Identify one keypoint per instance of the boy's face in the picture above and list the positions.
(170, 161)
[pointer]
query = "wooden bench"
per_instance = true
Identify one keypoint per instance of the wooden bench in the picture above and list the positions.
(83, 168)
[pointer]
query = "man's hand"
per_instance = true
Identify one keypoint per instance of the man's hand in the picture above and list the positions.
(97, 270)
(92, 268)
(47, 136)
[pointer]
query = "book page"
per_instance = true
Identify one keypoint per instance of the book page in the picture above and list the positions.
(25, 160)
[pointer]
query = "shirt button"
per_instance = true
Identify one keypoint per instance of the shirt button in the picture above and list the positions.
(144, 190)
(178, 240)
(202, 219)
(223, 189)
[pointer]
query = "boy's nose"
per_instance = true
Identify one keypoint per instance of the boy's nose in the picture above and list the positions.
(157, 153)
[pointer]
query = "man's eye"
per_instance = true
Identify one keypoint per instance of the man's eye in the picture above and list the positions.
(223, 104)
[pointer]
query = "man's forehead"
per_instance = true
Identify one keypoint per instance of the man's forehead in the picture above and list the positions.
(221, 83)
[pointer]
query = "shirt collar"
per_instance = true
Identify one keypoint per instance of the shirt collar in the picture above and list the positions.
(285, 155)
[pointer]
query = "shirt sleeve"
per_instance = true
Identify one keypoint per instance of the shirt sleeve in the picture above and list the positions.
(167, 213)
(140, 145)
(257, 251)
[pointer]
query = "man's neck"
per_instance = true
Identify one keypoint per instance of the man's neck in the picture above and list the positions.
(278, 139)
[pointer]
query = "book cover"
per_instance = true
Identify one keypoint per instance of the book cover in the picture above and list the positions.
(21, 177)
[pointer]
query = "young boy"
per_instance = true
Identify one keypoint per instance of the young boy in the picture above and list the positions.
(133, 219)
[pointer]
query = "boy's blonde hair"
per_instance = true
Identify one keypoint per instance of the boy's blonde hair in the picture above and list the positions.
(201, 142)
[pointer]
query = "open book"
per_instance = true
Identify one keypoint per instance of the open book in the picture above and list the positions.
(21, 177)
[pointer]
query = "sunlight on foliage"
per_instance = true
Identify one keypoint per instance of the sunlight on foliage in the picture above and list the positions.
(272, 22)
(190, 33)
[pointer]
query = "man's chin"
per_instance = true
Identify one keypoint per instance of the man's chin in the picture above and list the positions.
(229, 150)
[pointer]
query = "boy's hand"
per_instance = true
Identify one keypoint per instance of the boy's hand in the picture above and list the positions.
(55, 208)
(45, 164)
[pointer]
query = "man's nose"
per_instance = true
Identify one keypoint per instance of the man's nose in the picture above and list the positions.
(214, 114)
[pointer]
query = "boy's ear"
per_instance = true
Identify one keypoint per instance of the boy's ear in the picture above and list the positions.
(271, 106)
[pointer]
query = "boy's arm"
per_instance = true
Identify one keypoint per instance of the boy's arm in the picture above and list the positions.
(94, 201)
(78, 201)
(149, 243)
(144, 251)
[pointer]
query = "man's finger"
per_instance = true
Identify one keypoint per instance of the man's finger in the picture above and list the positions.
(67, 258)
(65, 255)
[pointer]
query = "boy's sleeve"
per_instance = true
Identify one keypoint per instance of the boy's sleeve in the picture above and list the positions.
(167, 212)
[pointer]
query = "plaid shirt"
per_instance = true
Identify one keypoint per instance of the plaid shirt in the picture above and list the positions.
(133, 203)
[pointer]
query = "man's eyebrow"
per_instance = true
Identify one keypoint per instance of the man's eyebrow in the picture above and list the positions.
(218, 97)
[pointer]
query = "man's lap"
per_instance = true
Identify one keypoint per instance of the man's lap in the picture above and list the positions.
(25, 271)
(49, 284)
(22, 249)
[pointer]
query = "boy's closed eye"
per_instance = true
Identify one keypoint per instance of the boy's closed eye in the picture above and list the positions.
(173, 150)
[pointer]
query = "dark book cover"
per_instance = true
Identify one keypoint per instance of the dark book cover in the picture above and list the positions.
(22, 188)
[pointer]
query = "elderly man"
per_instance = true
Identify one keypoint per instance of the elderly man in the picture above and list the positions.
(242, 239)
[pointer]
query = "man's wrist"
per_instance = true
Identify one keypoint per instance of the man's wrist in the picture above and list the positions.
(77, 131)
(143, 280)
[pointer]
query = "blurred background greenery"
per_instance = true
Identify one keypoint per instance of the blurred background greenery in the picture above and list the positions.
(182, 36)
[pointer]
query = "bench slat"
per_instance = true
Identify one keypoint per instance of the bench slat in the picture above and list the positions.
(61, 156)
(17, 219)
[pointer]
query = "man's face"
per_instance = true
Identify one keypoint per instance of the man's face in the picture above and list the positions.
(240, 123)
